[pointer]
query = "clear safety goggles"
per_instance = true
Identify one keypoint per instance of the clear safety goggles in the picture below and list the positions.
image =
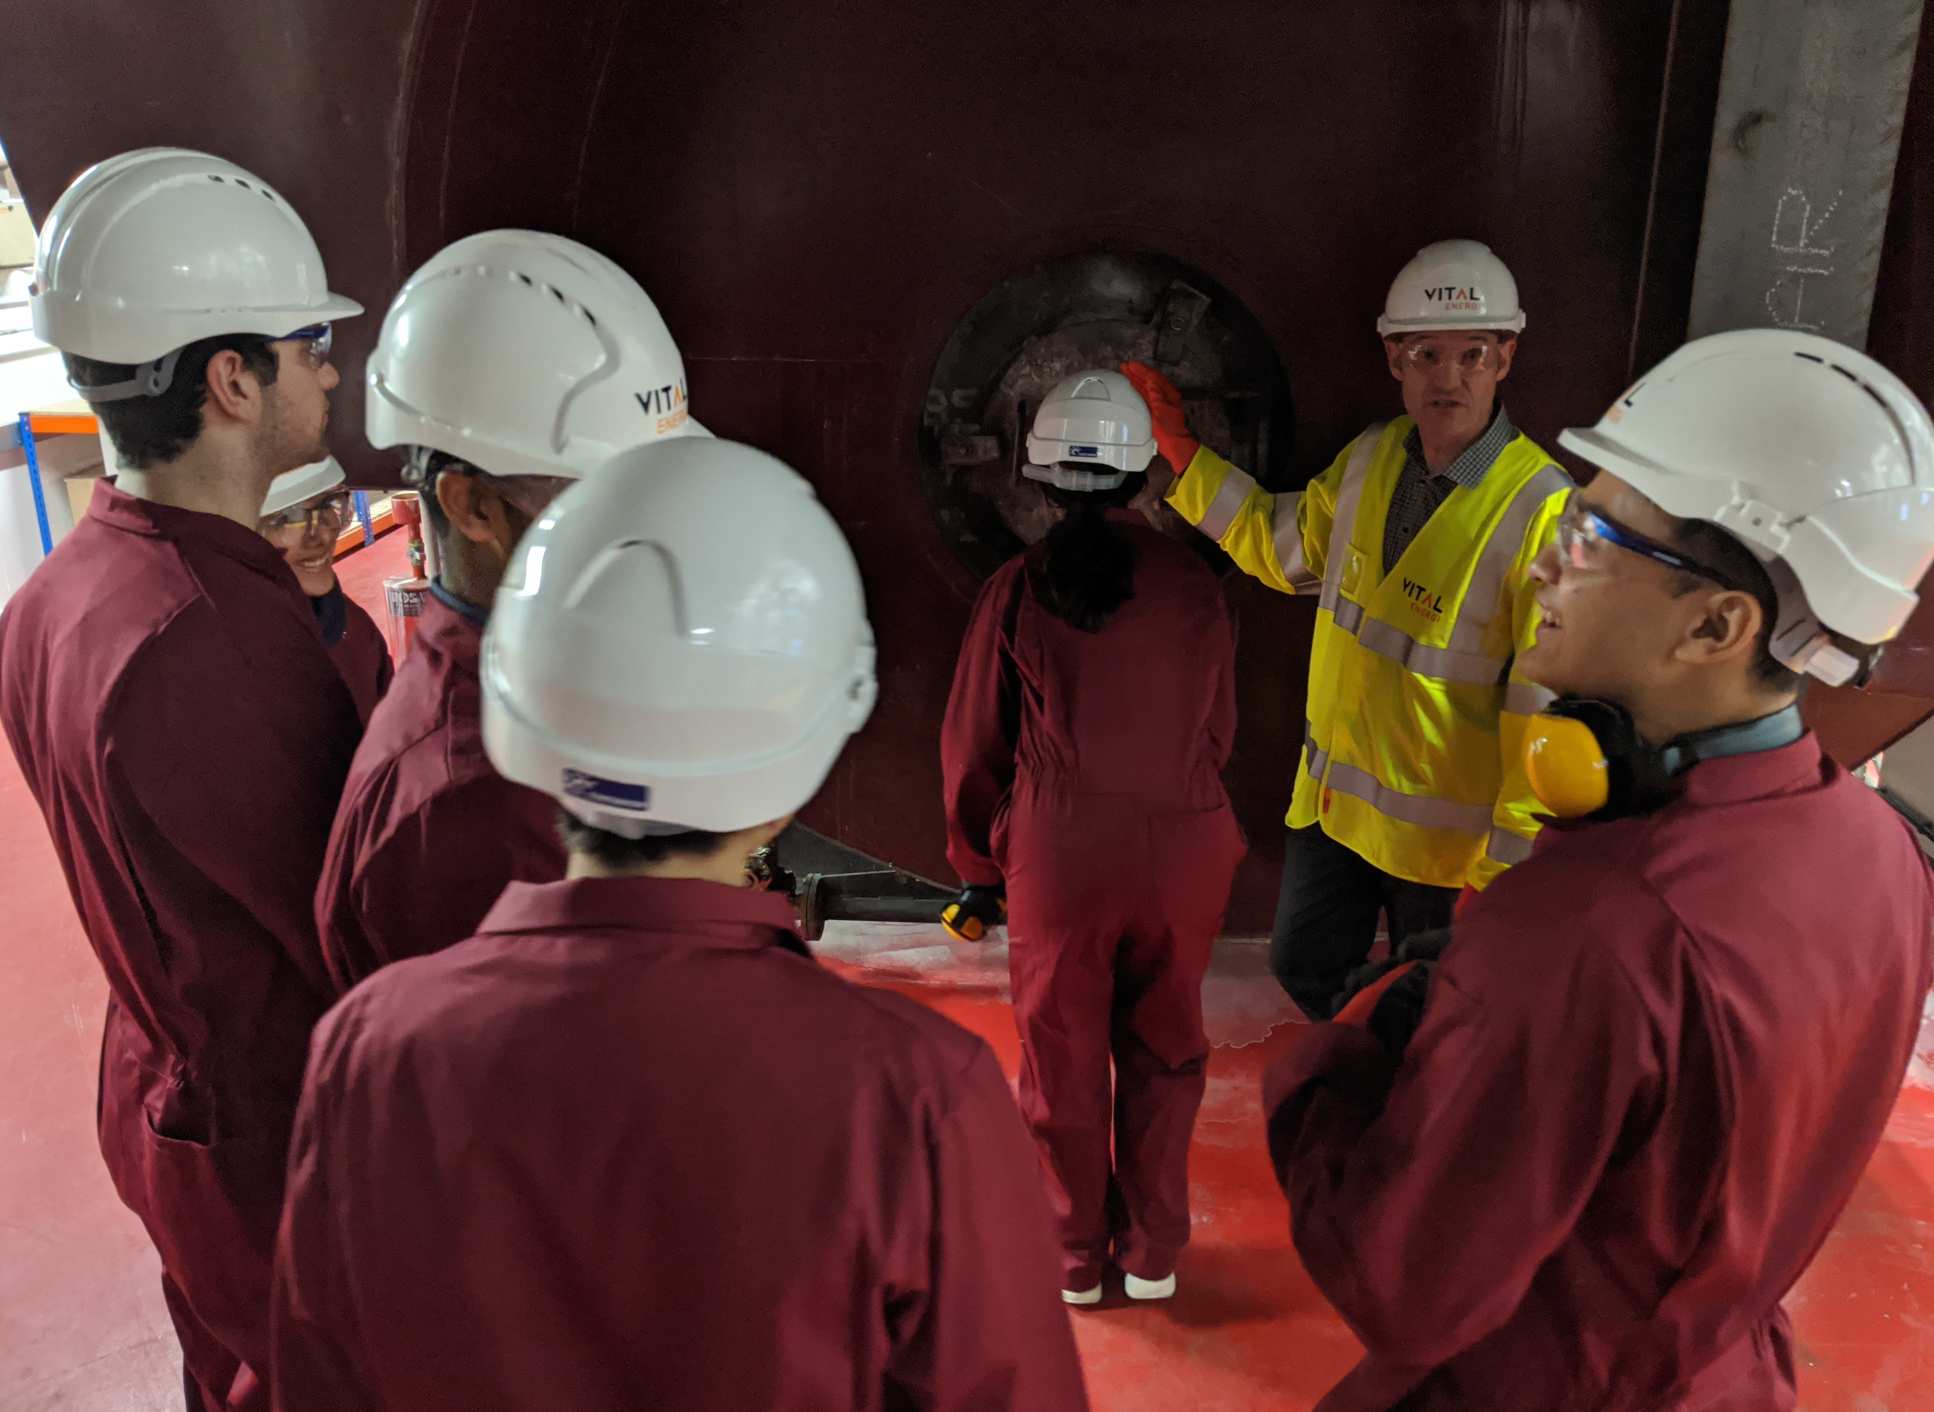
(1468, 358)
(1582, 533)
(530, 494)
(316, 341)
(328, 514)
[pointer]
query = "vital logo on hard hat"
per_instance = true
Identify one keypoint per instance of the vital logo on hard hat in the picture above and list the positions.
(1455, 298)
(667, 404)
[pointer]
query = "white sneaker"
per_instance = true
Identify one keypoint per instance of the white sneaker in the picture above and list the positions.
(1081, 1296)
(1139, 1288)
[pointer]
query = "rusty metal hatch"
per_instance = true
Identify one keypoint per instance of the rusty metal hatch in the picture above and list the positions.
(1085, 311)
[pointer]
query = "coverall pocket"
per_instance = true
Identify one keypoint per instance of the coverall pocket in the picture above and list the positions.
(210, 1204)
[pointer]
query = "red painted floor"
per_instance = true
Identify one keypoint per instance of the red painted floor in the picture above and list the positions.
(82, 1325)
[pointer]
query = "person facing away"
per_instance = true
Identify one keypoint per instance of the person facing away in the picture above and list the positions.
(1418, 541)
(629, 1146)
(1082, 772)
(175, 714)
(507, 367)
(1579, 1161)
(302, 515)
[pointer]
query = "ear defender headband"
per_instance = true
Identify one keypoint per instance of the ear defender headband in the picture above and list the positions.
(1585, 760)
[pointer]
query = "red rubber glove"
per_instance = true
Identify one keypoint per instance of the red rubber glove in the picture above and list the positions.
(1464, 901)
(1172, 437)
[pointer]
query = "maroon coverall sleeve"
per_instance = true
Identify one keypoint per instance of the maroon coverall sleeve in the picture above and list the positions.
(979, 733)
(311, 1313)
(988, 1332)
(214, 798)
(428, 883)
(1424, 1197)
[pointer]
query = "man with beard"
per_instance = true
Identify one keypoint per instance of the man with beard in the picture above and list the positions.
(512, 364)
(175, 714)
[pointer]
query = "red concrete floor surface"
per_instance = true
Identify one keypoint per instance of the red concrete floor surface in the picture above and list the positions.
(82, 1324)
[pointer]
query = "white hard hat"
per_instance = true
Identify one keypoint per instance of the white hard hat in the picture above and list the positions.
(291, 488)
(1453, 284)
(524, 354)
(1095, 417)
(147, 252)
(680, 642)
(1816, 457)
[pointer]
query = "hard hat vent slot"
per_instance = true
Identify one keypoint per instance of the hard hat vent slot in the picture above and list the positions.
(1810, 357)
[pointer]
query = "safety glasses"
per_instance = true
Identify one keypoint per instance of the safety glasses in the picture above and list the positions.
(1582, 530)
(530, 494)
(1428, 357)
(329, 515)
(315, 339)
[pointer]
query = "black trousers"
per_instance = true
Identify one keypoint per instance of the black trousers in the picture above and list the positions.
(1326, 916)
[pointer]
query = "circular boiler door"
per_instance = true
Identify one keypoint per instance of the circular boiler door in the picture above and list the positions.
(1095, 310)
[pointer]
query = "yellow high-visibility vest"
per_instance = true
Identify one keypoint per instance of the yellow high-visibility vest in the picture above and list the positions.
(1413, 754)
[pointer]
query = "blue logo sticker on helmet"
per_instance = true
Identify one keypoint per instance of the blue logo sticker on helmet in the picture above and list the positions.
(1084, 451)
(616, 793)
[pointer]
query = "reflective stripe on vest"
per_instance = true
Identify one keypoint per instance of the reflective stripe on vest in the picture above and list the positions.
(1419, 809)
(1285, 531)
(1507, 848)
(1228, 500)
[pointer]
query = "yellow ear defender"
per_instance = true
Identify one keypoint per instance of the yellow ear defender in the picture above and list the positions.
(1584, 758)
(1567, 766)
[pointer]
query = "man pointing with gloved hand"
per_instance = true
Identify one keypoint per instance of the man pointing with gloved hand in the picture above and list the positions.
(1419, 538)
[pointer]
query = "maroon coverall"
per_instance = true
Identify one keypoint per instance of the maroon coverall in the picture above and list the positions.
(362, 656)
(630, 1147)
(1652, 1066)
(1084, 770)
(167, 695)
(428, 832)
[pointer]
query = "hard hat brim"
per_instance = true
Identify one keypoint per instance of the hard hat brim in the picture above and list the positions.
(291, 488)
(1388, 327)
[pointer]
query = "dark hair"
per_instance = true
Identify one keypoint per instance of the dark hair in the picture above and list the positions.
(1721, 552)
(149, 431)
(1085, 569)
(619, 853)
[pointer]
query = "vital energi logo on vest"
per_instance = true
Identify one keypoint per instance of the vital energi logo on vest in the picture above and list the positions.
(1423, 602)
